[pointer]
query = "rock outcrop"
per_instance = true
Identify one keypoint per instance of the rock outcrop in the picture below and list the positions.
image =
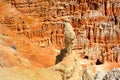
(88, 74)
(112, 75)
(69, 67)
(99, 75)
(69, 36)
(35, 34)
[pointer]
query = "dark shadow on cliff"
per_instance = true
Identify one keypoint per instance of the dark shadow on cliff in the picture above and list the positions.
(60, 57)
(98, 62)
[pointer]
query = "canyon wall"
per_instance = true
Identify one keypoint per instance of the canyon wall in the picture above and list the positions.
(36, 29)
(95, 22)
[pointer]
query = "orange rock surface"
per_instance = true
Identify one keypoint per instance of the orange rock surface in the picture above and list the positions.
(32, 37)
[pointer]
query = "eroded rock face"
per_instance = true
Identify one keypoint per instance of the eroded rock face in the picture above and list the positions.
(113, 74)
(90, 17)
(69, 67)
(99, 75)
(88, 74)
(39, 32)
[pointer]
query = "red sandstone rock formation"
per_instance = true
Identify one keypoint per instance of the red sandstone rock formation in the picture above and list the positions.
(34, 30)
